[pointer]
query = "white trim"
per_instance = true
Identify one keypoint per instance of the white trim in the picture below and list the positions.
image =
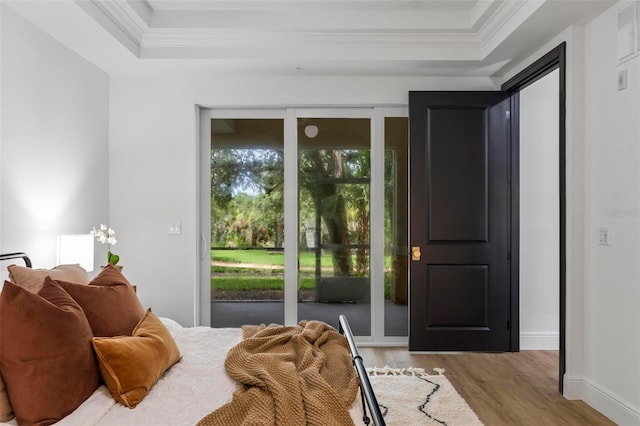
(606, 402)
(291, 218)
(496, 21)
(237, 113)
(539, 340)
(202, 312)
(376, 226)
(119, 20)
(387, 342)
(154, 27)
(335, 112)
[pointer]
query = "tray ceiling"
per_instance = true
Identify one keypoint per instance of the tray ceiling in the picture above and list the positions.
(319, 37)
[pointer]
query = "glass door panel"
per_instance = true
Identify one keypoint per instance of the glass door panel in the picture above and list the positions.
(334, 182)
(396, 141)
(247, 221)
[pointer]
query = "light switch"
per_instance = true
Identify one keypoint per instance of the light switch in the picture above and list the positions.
(604, 238)
(175, 228)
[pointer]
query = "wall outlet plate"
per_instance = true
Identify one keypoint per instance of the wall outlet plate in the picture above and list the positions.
(175, 228)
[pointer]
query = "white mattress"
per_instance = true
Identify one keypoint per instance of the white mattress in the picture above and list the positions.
(186, 393)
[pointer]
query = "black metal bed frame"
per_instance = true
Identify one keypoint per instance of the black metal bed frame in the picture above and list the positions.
(17, 255)
(366, 391)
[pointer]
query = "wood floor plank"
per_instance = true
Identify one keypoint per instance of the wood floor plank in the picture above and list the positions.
(518, 388)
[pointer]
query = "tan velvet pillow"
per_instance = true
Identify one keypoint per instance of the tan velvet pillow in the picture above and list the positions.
(47, 360)
(109, 302)
(131, 365)
(32, 279)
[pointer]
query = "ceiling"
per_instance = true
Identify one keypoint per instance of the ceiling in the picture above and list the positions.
(314, 37)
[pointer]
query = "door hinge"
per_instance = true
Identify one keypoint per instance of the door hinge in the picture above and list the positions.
(508, 254)
(508, 114)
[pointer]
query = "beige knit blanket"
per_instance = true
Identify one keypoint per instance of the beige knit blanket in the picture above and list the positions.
(289, 376)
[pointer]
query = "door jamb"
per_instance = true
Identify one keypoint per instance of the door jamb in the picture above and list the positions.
(554, 59)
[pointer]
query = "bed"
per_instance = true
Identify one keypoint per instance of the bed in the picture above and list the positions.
(194, 383)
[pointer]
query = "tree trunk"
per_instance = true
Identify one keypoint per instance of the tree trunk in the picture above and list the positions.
(335, 218)
(363, 238)
(332, 207)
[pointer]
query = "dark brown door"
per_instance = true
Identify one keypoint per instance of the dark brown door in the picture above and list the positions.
(460, 276)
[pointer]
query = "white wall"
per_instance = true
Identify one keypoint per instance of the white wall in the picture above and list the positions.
(612, 284)
(603, 190)
(153, 153)
(539, 214)
(54, 142)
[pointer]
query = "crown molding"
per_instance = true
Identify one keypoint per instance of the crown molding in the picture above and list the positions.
(346, 5)
(124, 21)
(120, 19)
(190, 38)
(244, 29)
(372, 37)
(498, 19)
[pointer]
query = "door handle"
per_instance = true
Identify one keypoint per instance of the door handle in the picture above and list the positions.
(415, 253)
(203, 247)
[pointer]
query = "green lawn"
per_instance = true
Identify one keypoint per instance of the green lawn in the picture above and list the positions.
(265, 257)
(259, 256)
(235, 278)
(248, 283)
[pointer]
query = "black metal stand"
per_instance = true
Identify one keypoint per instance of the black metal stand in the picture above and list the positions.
(366, 391)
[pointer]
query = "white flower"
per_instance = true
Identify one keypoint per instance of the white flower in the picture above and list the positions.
(104, 235)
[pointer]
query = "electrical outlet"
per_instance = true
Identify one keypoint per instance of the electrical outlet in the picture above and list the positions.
(175, 228)
(604, 237)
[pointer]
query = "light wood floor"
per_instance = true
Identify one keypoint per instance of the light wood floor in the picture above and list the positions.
(518, 388)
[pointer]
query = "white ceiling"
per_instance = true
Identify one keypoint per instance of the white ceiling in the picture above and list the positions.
(315, 37)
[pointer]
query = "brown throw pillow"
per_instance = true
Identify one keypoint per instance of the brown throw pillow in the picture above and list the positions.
(32, 279)
(131, 365)
(109, 302)
(6, 412)
(47, 361)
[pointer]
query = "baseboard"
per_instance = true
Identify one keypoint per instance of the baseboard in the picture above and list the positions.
(617, 409)
(539, 341)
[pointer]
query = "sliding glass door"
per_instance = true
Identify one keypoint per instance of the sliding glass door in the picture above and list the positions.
(334, 203)
(303, 216)
(247, 221)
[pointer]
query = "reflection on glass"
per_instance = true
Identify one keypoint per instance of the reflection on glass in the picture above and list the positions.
(395, 226)
(334, 202)
(247, 221)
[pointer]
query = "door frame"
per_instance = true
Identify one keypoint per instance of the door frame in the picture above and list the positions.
(554, 59)
(290, 113)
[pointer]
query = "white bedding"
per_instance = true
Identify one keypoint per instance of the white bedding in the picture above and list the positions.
(187, 392)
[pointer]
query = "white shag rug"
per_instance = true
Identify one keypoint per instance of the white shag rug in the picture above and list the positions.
(409, 396)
